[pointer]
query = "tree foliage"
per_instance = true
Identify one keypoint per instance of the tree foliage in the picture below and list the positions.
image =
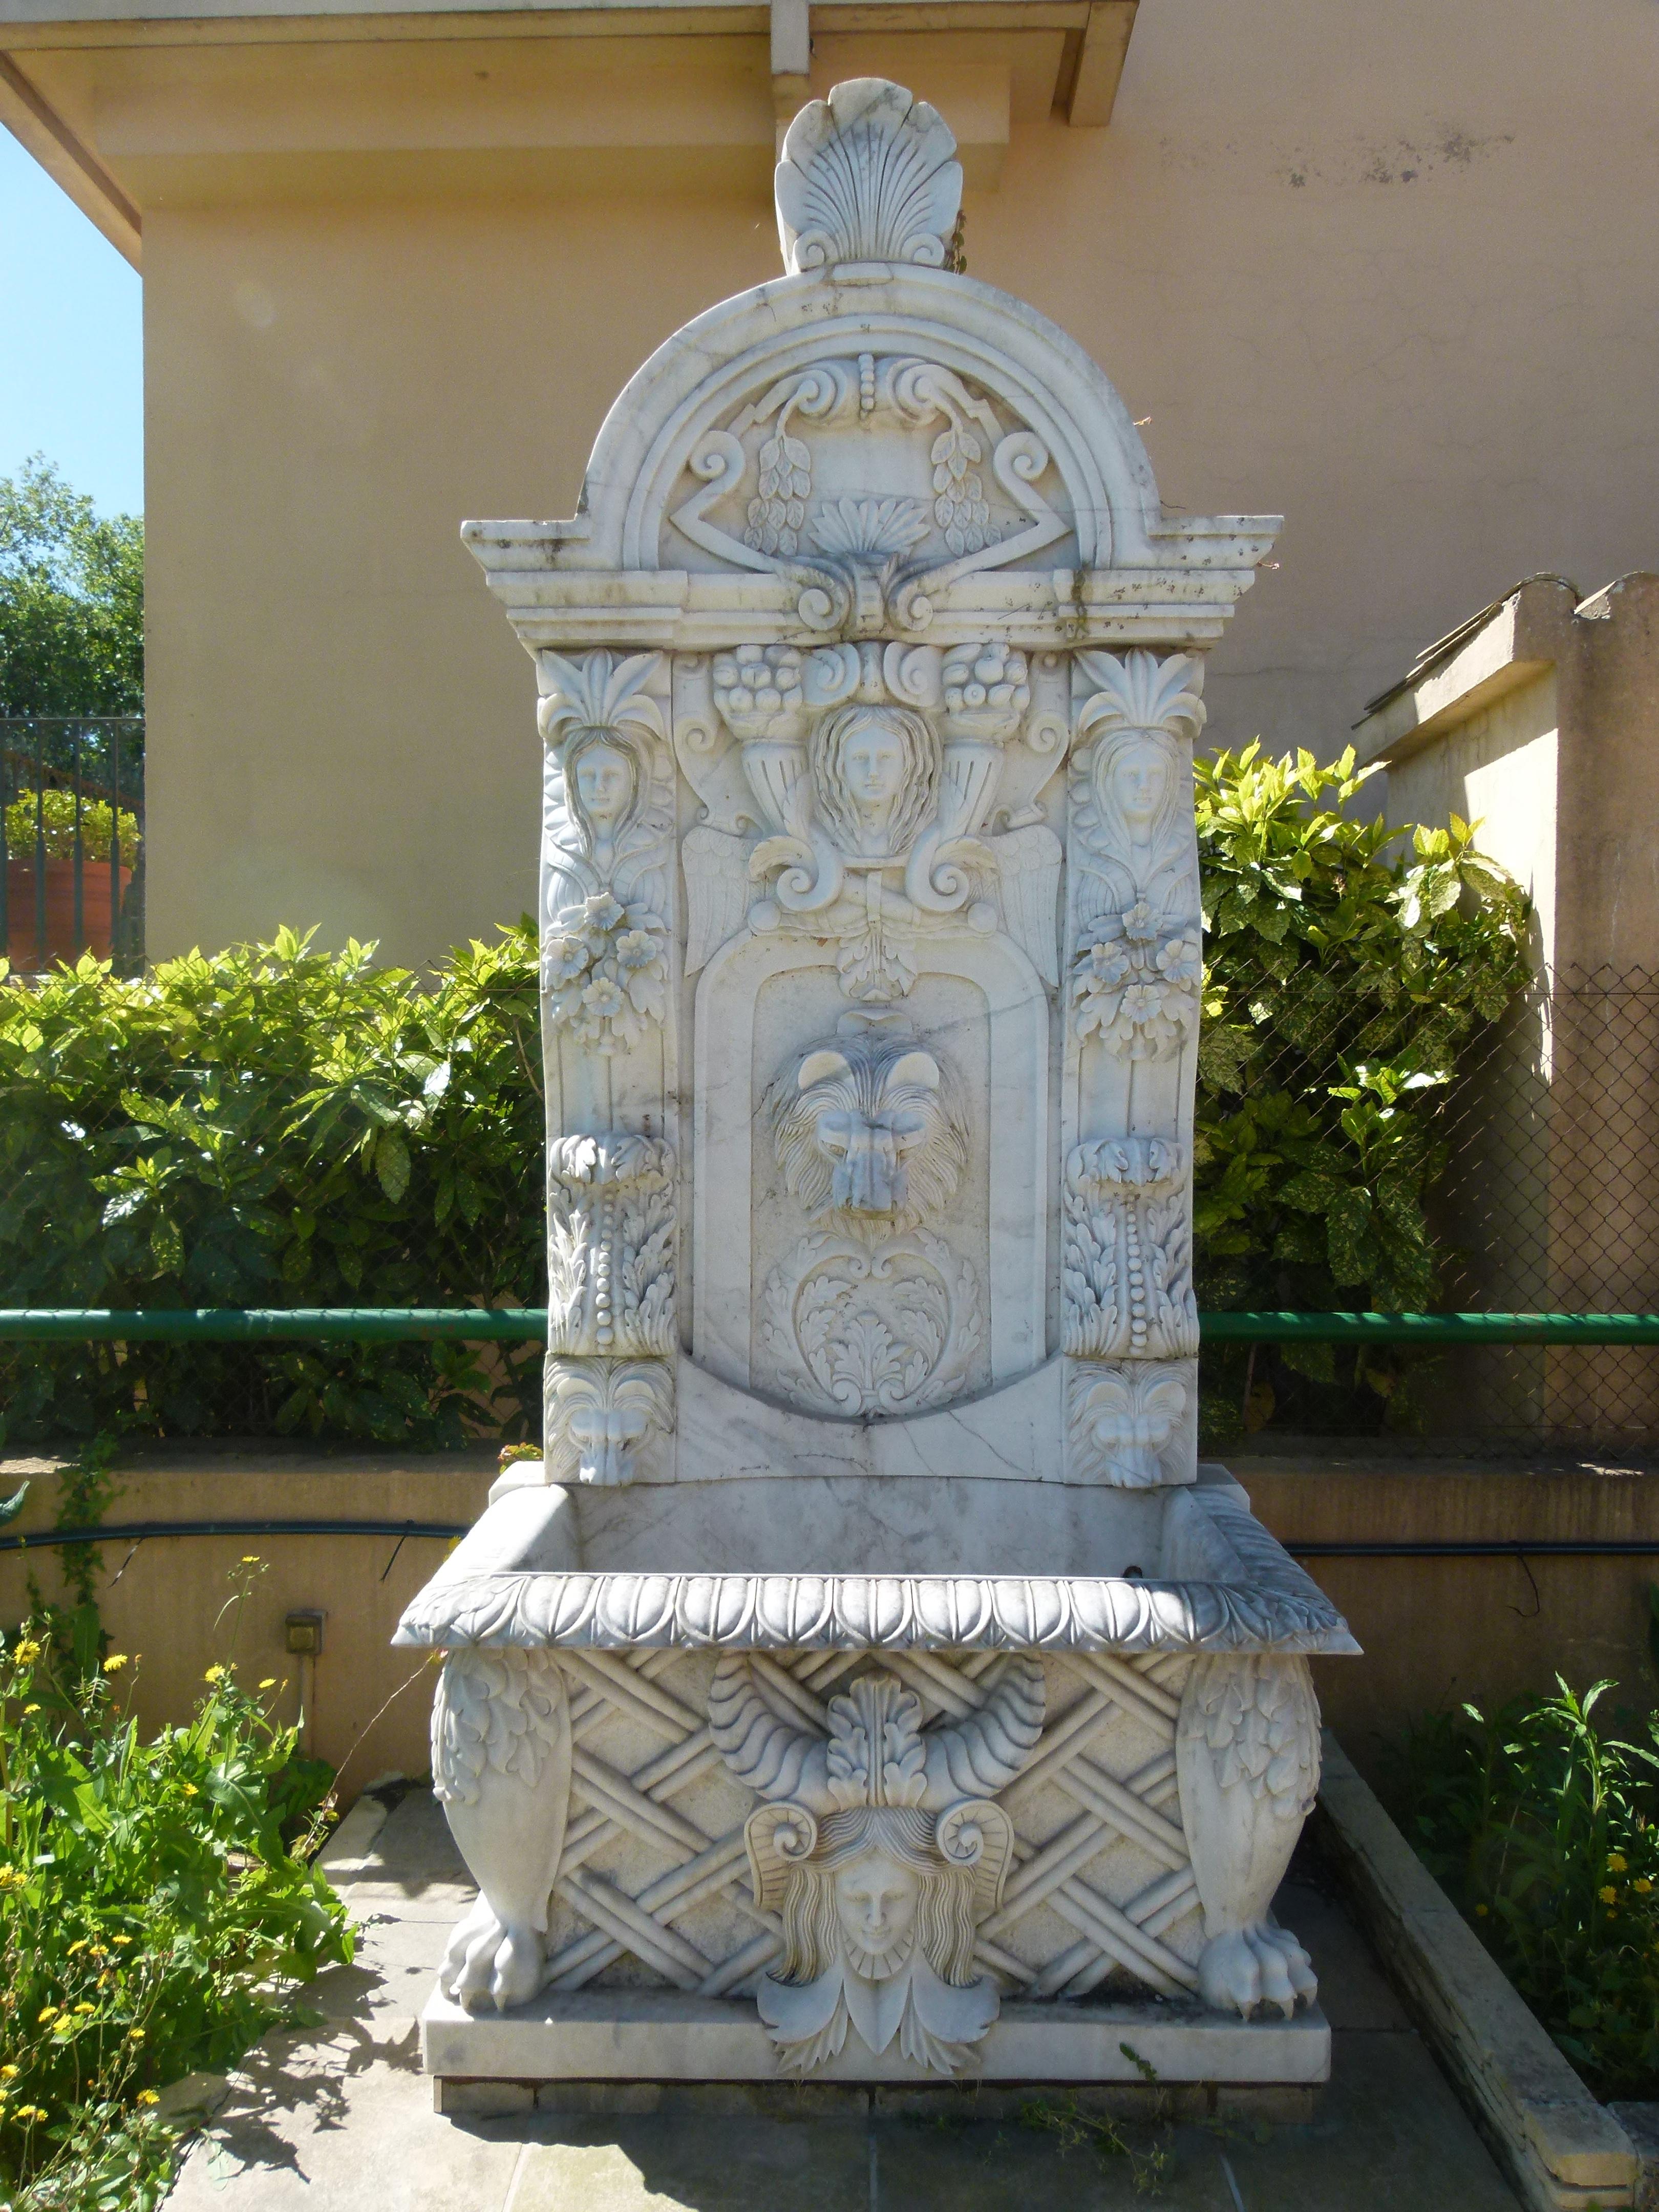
(71, 600)
(1349, 966)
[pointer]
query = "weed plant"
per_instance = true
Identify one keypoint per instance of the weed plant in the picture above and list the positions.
(158, 1902)
(1542, 1823)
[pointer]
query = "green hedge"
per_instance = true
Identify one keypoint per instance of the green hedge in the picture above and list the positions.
(272, 1126)
(276, 1125)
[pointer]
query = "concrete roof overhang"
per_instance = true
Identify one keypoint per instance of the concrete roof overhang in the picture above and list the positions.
(134, 104)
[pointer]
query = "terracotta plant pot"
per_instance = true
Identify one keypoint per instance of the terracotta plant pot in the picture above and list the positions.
(23, 948)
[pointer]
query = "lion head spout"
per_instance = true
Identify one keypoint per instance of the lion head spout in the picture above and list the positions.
(869, 1126)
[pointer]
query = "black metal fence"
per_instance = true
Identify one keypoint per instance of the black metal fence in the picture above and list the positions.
(72, 840)
(1542, 1195)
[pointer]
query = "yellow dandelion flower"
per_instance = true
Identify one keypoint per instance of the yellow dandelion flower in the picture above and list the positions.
(1480, 1912)
(12, 1878)
(135, 2035)
(148, 2097)
(269, 1682)
(1617, 1862)
(75, 1948)
(1608, 1893)
(85, 2007)
(27, 1709)
(213, 1674)
(7, 2073)
(114, 1663)
(47, 2013)
(120, 1939)
(26, 1652)
(1642, 1886)
(250, 1559)
(191, 1791)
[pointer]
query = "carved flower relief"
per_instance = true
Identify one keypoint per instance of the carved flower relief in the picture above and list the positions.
(1135, 982)
(605, 973)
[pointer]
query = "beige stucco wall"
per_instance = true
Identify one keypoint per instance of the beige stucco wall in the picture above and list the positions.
(1389, 271)
(1497, 769)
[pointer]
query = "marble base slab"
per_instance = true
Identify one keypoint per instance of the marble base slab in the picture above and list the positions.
(654, 2035)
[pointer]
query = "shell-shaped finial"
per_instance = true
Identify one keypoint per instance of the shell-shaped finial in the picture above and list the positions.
(869, 174)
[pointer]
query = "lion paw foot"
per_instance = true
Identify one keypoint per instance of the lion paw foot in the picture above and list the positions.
(1259, 1966)
(489, 1963)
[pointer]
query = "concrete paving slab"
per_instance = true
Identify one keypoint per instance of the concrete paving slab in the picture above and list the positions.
(338, 2117)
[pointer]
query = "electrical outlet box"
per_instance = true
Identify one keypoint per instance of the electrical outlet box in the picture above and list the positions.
(304, 1631)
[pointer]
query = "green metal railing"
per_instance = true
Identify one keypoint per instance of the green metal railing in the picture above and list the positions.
(528, 1324)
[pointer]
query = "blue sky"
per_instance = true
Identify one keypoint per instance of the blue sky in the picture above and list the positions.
(71, 374)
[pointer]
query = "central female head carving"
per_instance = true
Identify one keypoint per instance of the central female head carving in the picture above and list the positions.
(876, 774)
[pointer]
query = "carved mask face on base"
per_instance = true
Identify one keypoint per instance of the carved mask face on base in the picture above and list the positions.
(877, 1898)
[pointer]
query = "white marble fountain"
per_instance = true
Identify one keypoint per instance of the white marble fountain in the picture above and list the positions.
(869, 1684)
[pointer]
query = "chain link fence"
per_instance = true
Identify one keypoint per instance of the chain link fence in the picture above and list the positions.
(72, 840)
(1537, 1172)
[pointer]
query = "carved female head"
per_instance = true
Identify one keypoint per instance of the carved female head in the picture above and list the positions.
(876, 770)
(875, 1889)
(603, 779)
(1137, 778)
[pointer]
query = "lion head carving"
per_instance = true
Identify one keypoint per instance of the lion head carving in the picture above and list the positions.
(869, 1124)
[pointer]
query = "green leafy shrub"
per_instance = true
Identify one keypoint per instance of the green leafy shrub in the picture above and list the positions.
(50, 821)
(155, 1906)
(1349, 964)
(1542, 1826)
(271, 1125)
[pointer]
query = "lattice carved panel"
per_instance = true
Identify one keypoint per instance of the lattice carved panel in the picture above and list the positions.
(654, 1886)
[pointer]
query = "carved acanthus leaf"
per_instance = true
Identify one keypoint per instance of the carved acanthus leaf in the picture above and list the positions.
(610, 1232)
